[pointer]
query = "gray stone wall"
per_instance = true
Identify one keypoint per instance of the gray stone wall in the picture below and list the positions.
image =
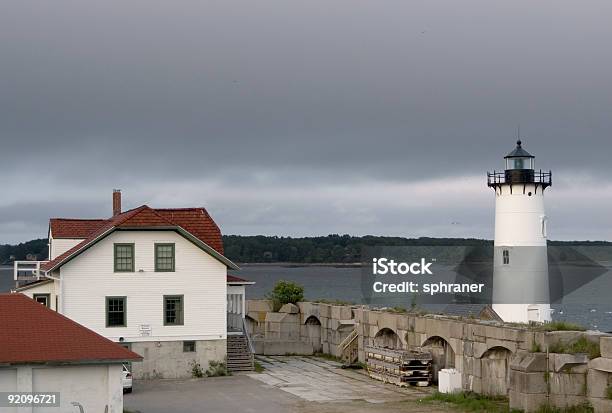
(493, 358)
(561, 380)
(166, 359)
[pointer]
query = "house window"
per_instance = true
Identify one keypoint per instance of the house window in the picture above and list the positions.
(124, 257)
(173, 310)
(189, 346)
(116, 311)
(43, 299)
(506, 256)
(164, 257)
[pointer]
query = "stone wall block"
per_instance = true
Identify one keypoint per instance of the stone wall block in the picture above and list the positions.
(598, 383)
(528, 383)
(601, 405)
(468, 348)
(526, 402)
(289, 309)
(568, 384)
(566, 401)
(561, 362)
(605, 344)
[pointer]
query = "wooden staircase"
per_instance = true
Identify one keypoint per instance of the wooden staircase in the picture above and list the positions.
(239, 355)
(348, 349)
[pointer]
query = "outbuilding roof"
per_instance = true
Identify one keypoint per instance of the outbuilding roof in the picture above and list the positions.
(33, 333)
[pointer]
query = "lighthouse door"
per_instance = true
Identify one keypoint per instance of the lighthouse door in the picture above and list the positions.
(533, 314)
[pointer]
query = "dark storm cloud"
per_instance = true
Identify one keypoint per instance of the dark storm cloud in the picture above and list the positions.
(216, 102)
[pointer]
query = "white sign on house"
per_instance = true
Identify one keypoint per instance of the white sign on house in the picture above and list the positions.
(145, 330)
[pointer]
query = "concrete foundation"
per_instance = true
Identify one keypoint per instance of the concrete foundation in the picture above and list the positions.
(282, 348)
(166, 359)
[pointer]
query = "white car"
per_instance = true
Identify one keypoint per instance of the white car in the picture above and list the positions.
(127, 380)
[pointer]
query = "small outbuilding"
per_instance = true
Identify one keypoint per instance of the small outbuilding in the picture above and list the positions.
(42, 351)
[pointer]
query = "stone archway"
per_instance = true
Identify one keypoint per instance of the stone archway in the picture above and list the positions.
(387, 338)
(442, 354)
(311, 332)
(495, 372)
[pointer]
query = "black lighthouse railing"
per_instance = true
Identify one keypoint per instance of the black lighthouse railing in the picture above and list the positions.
(519, 176)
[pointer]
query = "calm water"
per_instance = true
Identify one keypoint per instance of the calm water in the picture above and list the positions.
(6, 279)
(585, 306)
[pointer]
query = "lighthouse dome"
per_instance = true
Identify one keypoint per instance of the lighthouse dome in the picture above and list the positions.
(519, 152)
(519, 158)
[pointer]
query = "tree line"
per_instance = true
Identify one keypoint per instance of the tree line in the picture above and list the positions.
(333, 248)
(36, 247)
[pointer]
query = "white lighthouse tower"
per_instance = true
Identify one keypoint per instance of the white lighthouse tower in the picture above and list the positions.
(520, 269)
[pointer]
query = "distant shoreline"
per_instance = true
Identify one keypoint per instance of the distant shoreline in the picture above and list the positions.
(299, 264)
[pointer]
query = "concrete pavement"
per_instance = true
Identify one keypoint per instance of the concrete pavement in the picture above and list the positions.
(287, 385)
(321, 380)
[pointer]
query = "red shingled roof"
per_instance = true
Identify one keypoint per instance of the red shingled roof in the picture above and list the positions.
(234, 279)
(32, 333)
(73, 228)
(108, 225)
(198, 222)
(195, 221)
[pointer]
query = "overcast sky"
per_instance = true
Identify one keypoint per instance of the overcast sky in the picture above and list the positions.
(304, 117)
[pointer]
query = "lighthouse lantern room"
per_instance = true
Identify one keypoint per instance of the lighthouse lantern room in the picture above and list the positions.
(520, 269)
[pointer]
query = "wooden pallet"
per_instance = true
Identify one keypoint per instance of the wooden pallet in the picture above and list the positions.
(400, 367)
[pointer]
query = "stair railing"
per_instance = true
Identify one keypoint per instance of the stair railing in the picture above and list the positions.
(348, 348)
(245, 331)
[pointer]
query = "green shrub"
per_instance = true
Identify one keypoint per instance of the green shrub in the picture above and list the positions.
(216, 369)
(609, 392)
(196, 369)
(285, 292)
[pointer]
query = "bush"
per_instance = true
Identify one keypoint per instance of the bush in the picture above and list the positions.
(285, 292)
(196, 369)
(216, 369)
(609, 392)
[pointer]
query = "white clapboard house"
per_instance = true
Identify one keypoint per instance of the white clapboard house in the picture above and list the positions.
(154, 280)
